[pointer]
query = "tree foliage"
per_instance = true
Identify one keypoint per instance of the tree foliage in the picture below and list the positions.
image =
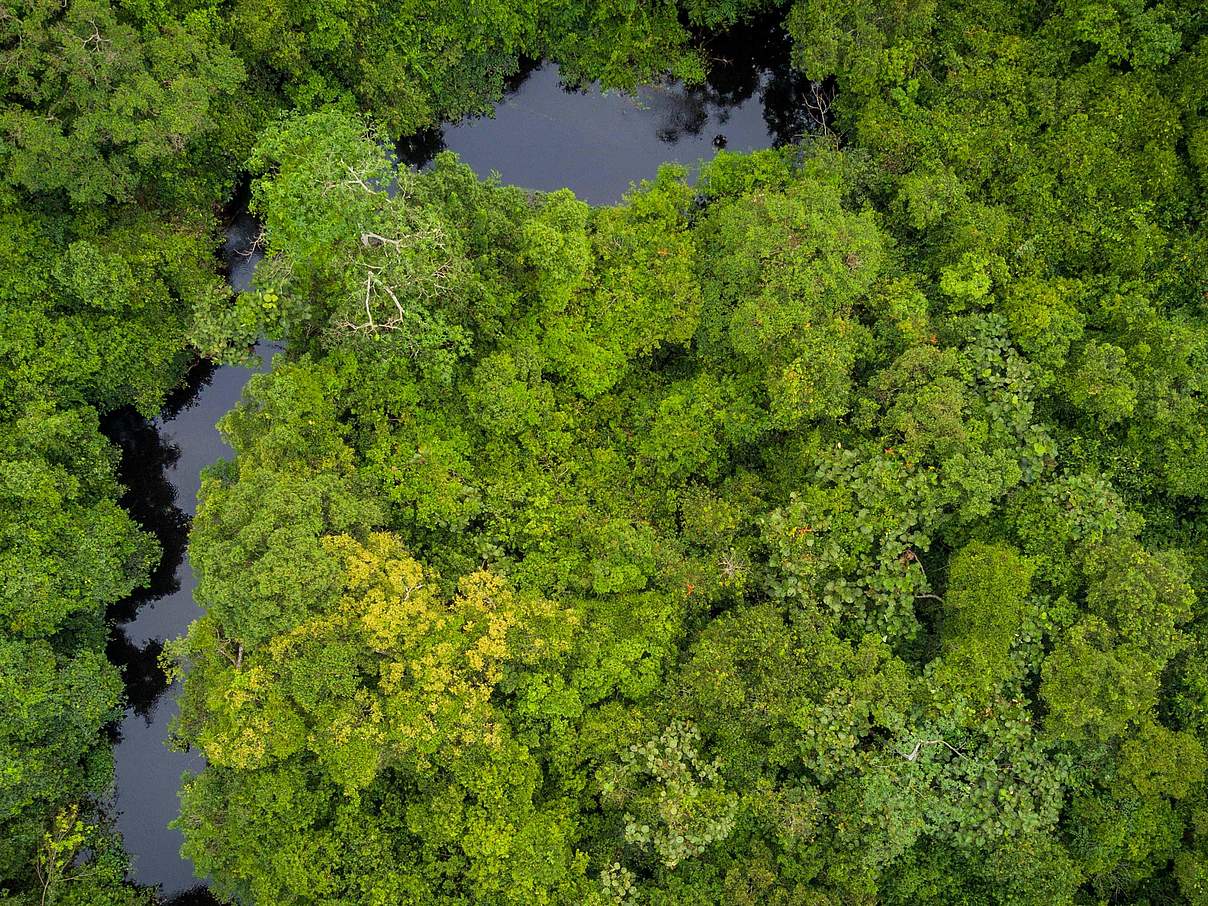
(826, 493)
(829, 530)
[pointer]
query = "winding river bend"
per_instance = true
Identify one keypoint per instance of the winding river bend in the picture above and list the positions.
(543, 136)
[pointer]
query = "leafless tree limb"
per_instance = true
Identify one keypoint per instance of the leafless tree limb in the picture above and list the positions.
(918, 748)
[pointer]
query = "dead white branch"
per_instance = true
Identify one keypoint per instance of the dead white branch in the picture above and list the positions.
(918, 748)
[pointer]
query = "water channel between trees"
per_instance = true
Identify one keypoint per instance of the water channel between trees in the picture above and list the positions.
(543, 136)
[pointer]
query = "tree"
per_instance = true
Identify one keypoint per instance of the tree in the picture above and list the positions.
(983, 610)
(389, 697)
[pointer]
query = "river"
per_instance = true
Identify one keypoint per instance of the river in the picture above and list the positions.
(542, 136)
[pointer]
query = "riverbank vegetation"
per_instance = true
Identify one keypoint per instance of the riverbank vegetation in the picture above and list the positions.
(830, 530)
(123, 129)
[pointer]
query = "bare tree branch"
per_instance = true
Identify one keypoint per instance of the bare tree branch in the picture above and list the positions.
(918, 748)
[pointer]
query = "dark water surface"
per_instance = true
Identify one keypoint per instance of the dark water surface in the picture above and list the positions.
(546, 135)
(543, 136)
(161, 466)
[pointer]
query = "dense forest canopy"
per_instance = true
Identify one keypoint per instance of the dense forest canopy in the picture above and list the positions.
(827, 530)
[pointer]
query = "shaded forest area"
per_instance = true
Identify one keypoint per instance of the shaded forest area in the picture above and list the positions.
(829, 530)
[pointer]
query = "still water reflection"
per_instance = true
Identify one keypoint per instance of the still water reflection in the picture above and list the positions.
(546, 135)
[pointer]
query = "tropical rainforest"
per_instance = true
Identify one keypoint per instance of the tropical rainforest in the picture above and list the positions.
(824, 527)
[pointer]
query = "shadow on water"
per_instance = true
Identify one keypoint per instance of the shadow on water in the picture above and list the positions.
(754, 60)
(749, 61)
(196, 896)
(148, 456)
(151, 500)
(142, 675)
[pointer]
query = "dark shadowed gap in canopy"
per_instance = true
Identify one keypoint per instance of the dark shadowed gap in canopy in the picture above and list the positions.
(544, 136)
